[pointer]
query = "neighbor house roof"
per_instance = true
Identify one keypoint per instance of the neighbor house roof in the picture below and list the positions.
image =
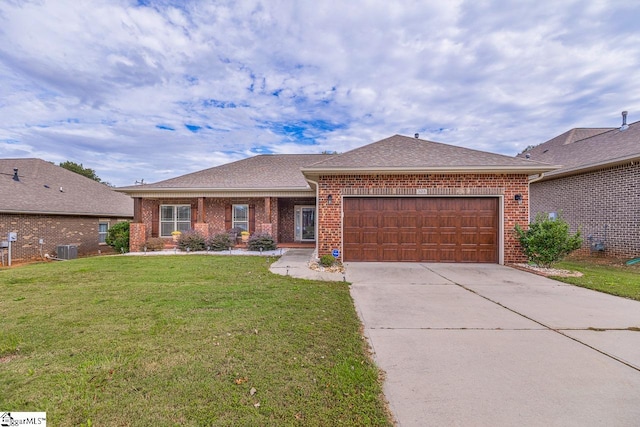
(44, 188)
(583, 150)
(277, 174)
(402, 154)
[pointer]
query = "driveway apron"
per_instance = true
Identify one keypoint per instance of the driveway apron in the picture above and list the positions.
(490, 345)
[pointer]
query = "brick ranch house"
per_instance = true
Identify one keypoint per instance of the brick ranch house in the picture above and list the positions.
(48, 206)
(398, 199)
(597, 189)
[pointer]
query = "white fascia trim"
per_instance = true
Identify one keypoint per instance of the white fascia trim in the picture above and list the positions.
(576, 170)
(178, 192)
(529, 170)
(100, 215)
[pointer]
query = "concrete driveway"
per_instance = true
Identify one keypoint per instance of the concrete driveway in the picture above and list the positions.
(488, 345)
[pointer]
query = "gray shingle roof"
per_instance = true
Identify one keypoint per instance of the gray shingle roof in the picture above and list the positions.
(38, 191)
(273, 172)
(267, 171)
(583, 149)
(402, 152)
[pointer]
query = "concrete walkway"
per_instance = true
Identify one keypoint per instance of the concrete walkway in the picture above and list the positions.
(295, 263)
(488, 345)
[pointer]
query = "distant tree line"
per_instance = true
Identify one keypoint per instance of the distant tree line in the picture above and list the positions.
(81, 170)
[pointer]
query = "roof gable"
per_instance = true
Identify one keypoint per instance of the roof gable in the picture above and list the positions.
(589, 148)
(44, 188)
(403, 153)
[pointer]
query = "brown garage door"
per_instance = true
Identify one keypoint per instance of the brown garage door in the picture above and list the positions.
(442, 229)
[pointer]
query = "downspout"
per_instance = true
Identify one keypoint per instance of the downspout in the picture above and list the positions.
(529, 189)
(317, 210)
(537, 179)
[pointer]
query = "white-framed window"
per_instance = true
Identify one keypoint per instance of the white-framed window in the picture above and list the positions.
(240, 218)
(103, 229)
(174, 218)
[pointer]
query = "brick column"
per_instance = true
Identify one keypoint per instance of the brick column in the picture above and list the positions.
(272, 218)
(137, 236)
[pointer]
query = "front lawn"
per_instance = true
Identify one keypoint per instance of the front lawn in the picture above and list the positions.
(612, 278)
(182, 340)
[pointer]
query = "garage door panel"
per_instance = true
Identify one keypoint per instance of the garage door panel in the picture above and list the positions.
(408, 221)
(369, 220)
(486, 239)
(447, 255)
(485, 222)
(369, 237)
(390, 237)
(354, 237)
(429, 254)
(408, 254)
(468, 255)
(405, 237)
(389, 223)
(409, 204)
(370, 254)
(368, 204)
(448, 238)
(468, 239)
(421, 229)
(390, 254)
(469, 221)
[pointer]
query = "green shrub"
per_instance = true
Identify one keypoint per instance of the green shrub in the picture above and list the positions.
(155, 244)
(547, 240)
(192, 241)
(118, 237)
(221, 242)
(262, 241)
(327, 260)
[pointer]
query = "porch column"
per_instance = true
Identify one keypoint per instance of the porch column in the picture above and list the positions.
(137, 236)
(201, 227)
(270, 224)
(267, 209)
(137, 209)
(201, 215)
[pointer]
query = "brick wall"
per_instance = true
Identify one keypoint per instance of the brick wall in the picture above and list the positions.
(54, 230)
(508, 185)
(592, 200)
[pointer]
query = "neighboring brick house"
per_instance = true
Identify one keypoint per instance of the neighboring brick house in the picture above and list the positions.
(48, 206)
(399, 199)
(597, 187)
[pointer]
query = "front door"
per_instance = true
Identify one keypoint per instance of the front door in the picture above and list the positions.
(305, 223)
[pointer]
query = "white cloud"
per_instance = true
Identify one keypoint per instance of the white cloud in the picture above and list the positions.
(155, 91)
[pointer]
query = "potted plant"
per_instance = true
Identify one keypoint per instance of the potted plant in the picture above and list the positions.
(245, 236)
(176, 235)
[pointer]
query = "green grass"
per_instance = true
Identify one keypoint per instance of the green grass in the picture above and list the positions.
(620, 280)
(182, 340)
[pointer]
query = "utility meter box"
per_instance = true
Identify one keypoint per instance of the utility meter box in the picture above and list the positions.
(4, 244)
(12, 237)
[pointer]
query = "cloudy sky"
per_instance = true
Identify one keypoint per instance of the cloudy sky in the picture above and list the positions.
(153, 89)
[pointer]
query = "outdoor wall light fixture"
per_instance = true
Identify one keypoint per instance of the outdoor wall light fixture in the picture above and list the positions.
(518, 198)
(329, 199)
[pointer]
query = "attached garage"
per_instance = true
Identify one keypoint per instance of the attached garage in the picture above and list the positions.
(408, 199)
(421, 229)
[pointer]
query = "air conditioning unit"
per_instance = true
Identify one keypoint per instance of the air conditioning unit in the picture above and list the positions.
(67, 251)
